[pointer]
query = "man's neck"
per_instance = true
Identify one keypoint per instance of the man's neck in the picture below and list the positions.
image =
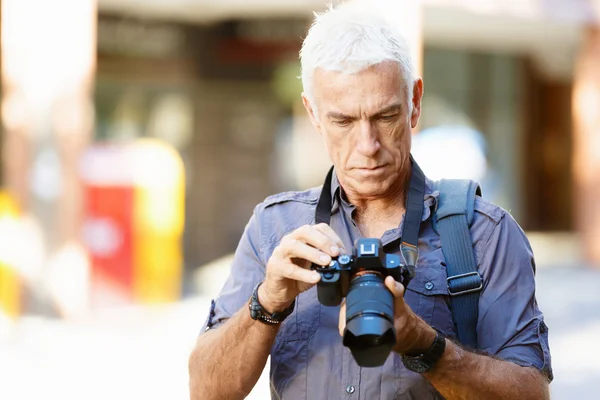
(375, 216)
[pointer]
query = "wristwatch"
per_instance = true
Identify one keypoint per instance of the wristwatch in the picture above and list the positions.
(422, 363)
(257, 312)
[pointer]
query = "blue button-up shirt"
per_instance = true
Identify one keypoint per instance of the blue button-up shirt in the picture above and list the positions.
(308, 360)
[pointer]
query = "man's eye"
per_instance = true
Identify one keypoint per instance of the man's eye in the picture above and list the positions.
(342, 122)
(389, 117)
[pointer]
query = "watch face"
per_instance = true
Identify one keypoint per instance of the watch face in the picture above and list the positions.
(417, 365)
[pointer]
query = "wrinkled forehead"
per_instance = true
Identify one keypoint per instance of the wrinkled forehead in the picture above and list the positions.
(372, 87)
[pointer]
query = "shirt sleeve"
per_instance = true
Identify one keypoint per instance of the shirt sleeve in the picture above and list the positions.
(247, 270)
(510, 324)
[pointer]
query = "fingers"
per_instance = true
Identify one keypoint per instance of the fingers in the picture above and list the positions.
(308, 244)
(296, 273)
(333, 237)
(321, 237)
(342, 320)
(395, 287)
(294, 248)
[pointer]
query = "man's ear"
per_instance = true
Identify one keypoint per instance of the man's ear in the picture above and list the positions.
(311, 113)
(416, 102)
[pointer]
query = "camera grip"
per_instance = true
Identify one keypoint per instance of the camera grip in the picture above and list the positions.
(332, 287)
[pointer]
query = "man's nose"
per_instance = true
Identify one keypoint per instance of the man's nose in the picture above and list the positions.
(368, 139)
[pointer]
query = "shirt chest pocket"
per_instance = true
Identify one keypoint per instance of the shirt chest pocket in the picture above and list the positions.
(427, 295)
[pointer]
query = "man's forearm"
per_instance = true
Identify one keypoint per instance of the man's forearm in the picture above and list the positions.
(227, 361)
(461, 374)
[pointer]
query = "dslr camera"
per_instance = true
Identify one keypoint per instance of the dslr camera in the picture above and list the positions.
(369, 334)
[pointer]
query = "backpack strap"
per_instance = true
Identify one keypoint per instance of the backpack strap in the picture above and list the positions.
(451, 221)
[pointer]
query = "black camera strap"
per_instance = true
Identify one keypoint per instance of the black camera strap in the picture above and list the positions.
(412, 217)
(323, 213)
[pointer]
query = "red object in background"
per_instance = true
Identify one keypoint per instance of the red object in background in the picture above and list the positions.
(133, 222)
(108, 230)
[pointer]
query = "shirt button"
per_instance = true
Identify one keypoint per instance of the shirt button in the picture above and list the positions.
(350, 389)
(429, 285)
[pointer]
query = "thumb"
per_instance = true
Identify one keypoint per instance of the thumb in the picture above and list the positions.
(342, 320)
(395, 287)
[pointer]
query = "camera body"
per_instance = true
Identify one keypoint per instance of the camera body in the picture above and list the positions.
(367, 257)
(369, 332)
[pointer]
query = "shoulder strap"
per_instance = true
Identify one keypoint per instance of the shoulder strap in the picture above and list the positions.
(453, 217)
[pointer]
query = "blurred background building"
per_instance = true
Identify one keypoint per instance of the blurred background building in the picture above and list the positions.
(139, 135)
(217, 80)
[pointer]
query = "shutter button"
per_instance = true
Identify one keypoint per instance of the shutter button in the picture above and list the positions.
(350, 389)
(429, 285)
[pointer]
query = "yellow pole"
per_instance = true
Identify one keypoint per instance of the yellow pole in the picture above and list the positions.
(10, 281)
(158, 222)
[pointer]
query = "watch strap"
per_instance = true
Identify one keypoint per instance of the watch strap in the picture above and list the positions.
(426, 361)
(258, 313)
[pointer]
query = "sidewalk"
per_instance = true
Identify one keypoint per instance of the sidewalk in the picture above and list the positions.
(134, 353)
(570, 300)
(141, 352)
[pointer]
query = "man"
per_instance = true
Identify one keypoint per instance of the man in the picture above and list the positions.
(362, 98)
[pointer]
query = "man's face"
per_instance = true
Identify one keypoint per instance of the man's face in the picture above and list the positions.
(366, 120)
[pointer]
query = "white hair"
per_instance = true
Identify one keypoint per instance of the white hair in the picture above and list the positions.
(350, 38)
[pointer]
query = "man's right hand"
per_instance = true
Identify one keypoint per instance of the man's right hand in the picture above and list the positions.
(288, 271)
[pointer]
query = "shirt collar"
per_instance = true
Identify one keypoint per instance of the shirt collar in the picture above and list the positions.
(430, 198)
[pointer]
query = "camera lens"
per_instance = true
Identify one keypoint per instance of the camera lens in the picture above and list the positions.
(369, 332)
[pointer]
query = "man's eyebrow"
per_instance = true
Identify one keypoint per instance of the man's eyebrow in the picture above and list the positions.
(388, 109)
(337, 115)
